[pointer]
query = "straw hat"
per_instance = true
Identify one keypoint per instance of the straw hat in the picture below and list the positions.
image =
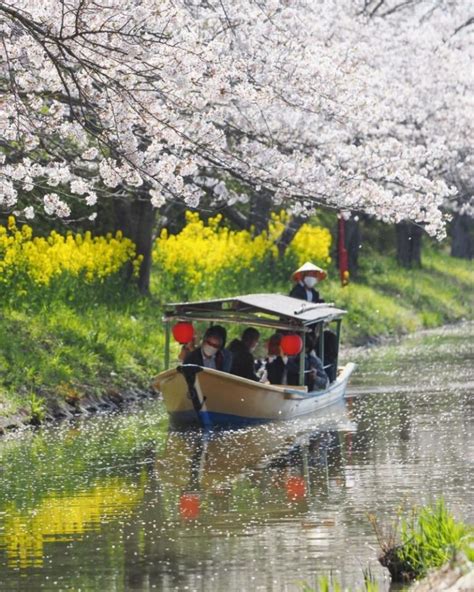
(308, 269)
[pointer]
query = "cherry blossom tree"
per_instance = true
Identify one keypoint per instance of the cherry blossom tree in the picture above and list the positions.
(355, 105)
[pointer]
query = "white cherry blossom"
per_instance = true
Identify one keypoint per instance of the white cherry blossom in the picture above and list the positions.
(358, 105)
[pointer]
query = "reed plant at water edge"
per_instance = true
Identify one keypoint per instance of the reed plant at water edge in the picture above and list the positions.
(428, 538)
(327, 583)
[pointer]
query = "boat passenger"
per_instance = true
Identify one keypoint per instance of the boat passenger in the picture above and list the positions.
(276, 363)
(330, 353)
(186, 349)
(209, 354)
(315, 377)
(227, 361)
(243, 362)
(306, 277)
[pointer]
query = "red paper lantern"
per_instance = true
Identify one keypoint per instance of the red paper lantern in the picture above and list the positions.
(295, 488)
(291, 345)
(189, 506)
(183, 332)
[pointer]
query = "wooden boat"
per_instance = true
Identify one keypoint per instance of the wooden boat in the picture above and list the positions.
(211, 398)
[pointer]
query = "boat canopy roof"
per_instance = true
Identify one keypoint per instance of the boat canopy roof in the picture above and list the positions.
(265, 310)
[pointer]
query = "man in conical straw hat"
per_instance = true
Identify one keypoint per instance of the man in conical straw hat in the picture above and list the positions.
(305, 278)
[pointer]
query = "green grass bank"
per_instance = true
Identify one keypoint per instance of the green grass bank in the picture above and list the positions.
(59, 351)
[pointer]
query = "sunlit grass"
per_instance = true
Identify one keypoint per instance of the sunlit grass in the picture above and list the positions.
(327, 583)
(113, 339)
(427, 538)
(431, 537)
(61, 350)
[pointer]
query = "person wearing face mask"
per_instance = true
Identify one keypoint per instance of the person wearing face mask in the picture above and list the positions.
(209, 354)
(306, 278)
(243, 362)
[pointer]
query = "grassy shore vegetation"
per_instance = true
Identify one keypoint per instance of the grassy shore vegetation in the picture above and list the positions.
(327, 583)
(425, 539)
(71, 326)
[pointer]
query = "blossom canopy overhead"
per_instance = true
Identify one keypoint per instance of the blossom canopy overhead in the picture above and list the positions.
(356, 105)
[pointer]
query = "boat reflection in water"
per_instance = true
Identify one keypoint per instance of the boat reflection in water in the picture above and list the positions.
(261, 471)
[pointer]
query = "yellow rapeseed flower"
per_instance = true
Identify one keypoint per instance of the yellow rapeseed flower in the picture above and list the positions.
(40, 259)
(203, 253)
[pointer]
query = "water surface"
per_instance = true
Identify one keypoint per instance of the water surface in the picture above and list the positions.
(116, 503)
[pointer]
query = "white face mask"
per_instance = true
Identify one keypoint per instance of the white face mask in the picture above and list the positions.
(310, 281)
(209, 351)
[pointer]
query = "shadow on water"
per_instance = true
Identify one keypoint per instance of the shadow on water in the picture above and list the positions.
(121, 503)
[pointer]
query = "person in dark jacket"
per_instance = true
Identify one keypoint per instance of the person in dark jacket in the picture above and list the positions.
(227, 355)
(315, 377)
(243, 362)
(306, 277)
(210, 353)
(276, 363)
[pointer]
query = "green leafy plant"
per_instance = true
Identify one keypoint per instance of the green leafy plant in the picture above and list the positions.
(428, 538)
(37, 409)
(327, 583)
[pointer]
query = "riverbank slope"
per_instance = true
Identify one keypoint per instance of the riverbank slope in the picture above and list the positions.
(58, 356)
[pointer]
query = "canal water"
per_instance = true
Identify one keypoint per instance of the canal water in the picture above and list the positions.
(117, 503)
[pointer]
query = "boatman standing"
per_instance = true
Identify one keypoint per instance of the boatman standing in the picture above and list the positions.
(306, 278)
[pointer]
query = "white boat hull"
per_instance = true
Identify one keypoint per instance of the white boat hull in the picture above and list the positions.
(226, 400)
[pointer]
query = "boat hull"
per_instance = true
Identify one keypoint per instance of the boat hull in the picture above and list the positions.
(225, 400)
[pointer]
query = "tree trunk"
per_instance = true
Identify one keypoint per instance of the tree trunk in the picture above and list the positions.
(144, 221)
(236, 217)
(261, 205)
(136, 219)
(408, 244)
(463, 237)
(288, 234)
(352, 244)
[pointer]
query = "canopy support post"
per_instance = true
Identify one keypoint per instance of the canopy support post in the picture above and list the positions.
(167, 345)
(338, 335)
(321, 342)
(302, 358)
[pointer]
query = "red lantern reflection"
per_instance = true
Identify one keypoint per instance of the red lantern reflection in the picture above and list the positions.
(183, 332)
(295, 488)
(189, 506)
(291, 345)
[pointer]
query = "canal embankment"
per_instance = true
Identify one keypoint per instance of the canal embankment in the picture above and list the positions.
(62, 356)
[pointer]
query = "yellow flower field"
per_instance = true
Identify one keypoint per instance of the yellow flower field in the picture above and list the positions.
(40, 259)
(206, 257)
(205, 254)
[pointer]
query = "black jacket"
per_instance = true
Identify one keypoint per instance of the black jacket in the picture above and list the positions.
(195, 357)
(276, 370)
(243, 362)
(299, 291)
